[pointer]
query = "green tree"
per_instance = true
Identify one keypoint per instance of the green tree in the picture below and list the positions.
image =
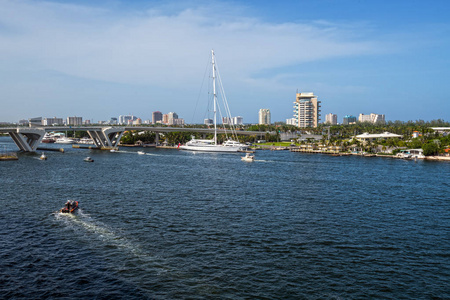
(430, 148)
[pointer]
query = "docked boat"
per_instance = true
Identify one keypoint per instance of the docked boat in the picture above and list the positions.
(86, 141)
(248, 157)
(43, 157)
(88, 159)
(70, 207)
(48, 138)
(212, 145)
(65, 140)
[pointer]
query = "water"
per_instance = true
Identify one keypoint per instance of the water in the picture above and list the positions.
(173, 224)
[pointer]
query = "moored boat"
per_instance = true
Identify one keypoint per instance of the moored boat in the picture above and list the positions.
(65, 140)
(212, 145)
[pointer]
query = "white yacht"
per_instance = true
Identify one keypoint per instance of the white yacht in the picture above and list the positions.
(64, 140)
(211, 145)
(248, 157)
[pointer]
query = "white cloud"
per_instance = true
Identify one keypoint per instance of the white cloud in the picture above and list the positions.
(163, 49)
(155, 48)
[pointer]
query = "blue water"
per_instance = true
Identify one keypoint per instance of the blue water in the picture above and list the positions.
(177, 225)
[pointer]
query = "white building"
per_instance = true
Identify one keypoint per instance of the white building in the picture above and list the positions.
(208, 121)
(367, 137)
(264, 116)
(238, 120)
(372, 118)
(331, 119)
(128, 119)
(171, 118)
(291, 121)
(227, 121)
(307, 110)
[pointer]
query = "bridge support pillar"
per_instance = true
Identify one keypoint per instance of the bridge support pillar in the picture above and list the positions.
(27, 139)
(107, 137)
(157, 138)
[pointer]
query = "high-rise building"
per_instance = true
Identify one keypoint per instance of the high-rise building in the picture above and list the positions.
(171, 117)
(208, 122)
(165, 119)
(156, 117)
(348, 119)
(74, 121)
(238, 120)
(264, 116)
(128, 119)
(226, 121)
(52, 121)
(35, 121)
(331, 119)
(372, 118)
(307, 110)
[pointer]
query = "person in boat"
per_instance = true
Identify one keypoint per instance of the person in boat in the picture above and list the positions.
(68, 204)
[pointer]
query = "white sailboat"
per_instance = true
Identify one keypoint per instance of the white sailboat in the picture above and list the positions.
(211, 145)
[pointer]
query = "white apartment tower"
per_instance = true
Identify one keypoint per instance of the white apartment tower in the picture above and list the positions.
(372, 118)
(264, 116)
(307, 110)
(331, 119)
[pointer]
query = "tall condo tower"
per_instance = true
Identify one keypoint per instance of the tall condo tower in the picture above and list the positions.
(307, 110)
(331, 119)
(264, 116)
(156, 117)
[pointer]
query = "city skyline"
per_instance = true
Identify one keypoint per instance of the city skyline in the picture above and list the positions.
(99, 60)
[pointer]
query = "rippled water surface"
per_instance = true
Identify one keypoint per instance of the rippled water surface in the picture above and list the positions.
(173, 224)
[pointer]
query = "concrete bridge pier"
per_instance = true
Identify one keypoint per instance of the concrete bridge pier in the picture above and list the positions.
(27, 139)
(157, 138)
(107, 137)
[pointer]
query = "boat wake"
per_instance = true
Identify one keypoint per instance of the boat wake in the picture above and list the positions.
(111, 239)
(134, 152)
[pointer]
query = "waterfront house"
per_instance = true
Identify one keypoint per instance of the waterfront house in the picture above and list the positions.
(367, 137)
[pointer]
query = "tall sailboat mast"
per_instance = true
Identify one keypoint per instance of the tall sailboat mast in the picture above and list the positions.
(215, 97)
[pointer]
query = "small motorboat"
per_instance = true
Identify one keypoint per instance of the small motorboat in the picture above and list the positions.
(113, 150)
(70, 207)
(248, 157)
(43, 157)
(141, 152)
(88, 159)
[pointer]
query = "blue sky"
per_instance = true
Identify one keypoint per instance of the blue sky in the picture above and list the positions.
(109, 58)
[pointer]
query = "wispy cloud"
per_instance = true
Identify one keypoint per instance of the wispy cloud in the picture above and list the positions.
(154, 46)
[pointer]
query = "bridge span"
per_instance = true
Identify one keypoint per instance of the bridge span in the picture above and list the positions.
(29, 138)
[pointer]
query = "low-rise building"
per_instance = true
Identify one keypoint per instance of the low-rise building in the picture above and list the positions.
(367, 137)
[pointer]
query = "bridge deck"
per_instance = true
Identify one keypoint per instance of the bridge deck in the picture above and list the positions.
(138, 128)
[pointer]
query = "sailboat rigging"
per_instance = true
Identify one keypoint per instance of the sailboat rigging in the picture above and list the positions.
(229, 145)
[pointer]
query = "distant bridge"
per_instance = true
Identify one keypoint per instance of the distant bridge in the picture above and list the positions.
(29, 138)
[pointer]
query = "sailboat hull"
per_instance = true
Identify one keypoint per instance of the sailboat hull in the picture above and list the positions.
(212, 148)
